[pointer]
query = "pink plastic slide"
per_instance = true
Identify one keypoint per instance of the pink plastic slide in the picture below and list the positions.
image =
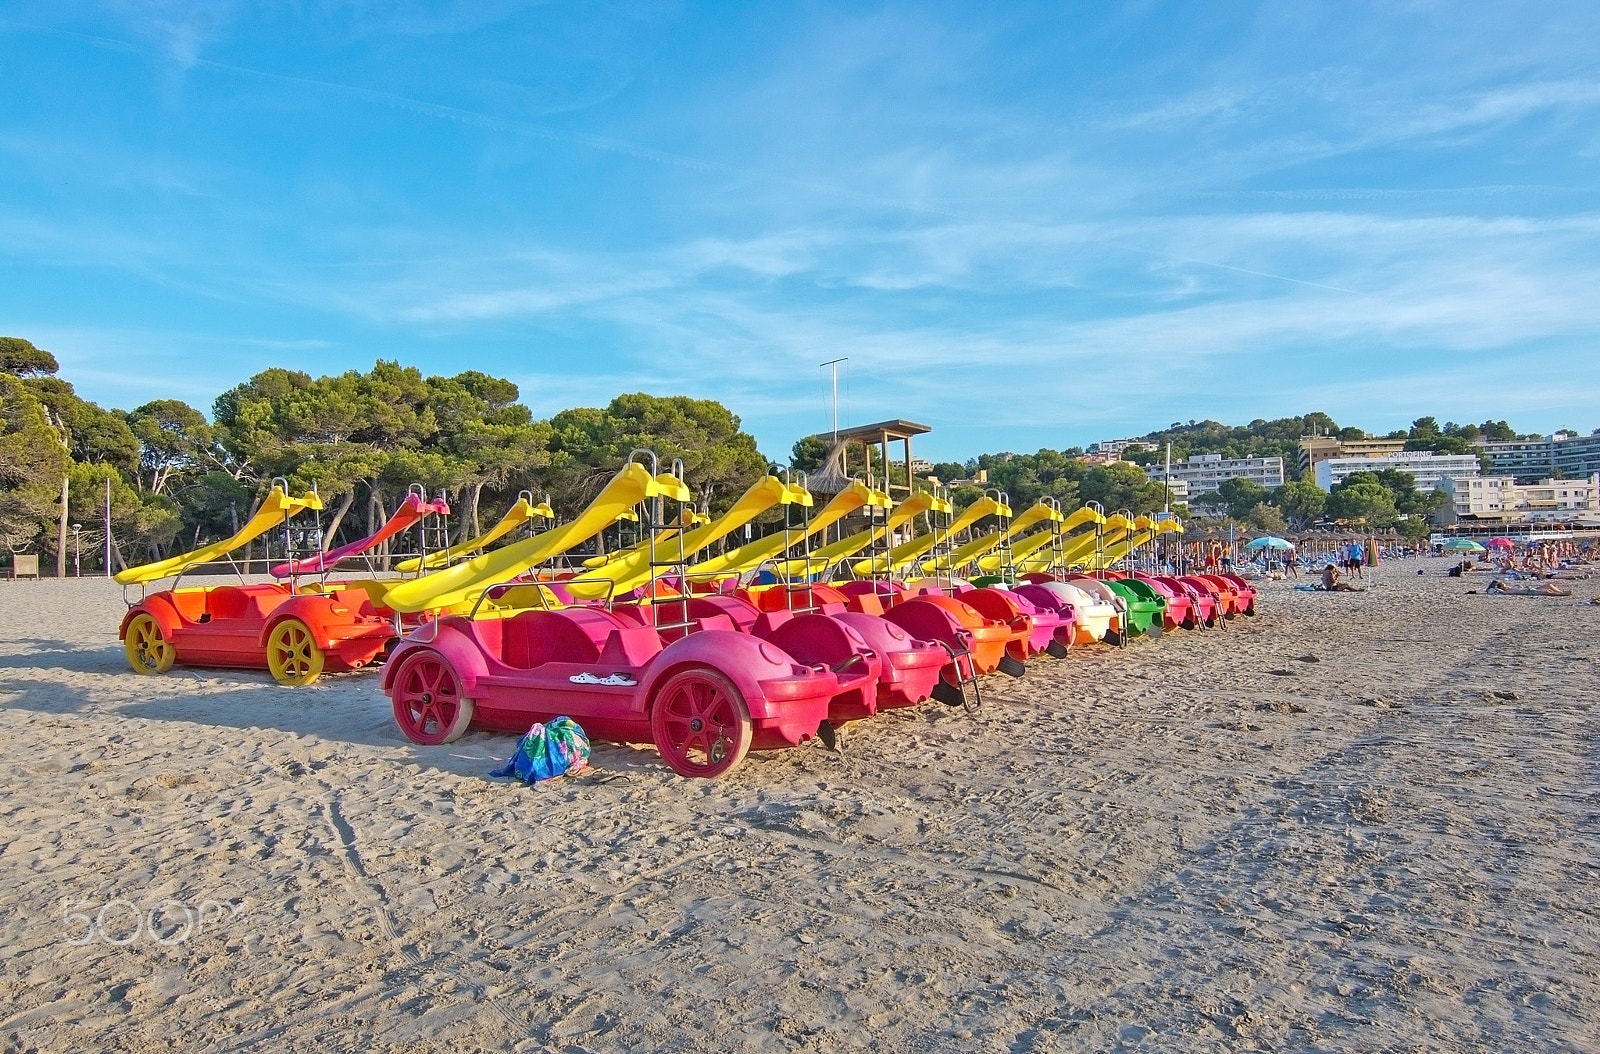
(414, 508)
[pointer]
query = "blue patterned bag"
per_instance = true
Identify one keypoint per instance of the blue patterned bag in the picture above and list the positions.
(552, 749)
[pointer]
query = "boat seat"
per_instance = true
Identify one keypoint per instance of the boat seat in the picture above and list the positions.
(630, 646)
(533, 638)
(232, 602)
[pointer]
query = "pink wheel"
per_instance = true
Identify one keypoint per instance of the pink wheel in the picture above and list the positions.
(700, 723)
(428, 704)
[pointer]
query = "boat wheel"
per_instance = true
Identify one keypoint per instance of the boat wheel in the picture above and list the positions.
(293, 655)
(428, 704)
(148, 651)
(700, 723)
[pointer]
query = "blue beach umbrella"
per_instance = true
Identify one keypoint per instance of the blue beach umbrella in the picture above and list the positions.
(1269, 542)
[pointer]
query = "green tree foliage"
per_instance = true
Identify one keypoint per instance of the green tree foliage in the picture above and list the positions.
(808, 453)
(91, 434)
(493, 442)
(1497, 431)
(1026, 478)
(948, 471)
(1364, 501)
(1267, 519)
(371, 436)
(175, 444)
(33, 461)
(1121, 486)
(1415, 528)
(20, 358)
(1301, 502)
(719, 460)
(1450, 438)
(1241, 496)
(142, 523)
(213, 506)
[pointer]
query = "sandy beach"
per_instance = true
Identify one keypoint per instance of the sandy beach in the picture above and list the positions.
(1358, 822)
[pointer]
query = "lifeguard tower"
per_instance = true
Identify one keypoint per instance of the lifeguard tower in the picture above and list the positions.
(831, 477)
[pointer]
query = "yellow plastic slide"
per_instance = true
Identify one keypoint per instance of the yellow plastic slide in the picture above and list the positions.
(275, 510)
(664, 539)
(520, 513)
(990, 563)
(1050, 512)
(632, 569)
(902, 556)
(845, 548)
(979, 547)
(1146, 529)
(461, 583)
(1073, 549)
(1124, 544)
(752, 555)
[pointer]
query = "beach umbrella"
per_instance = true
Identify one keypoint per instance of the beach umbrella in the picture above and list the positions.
(1501, 543)
(1270, 542)
(1462, 545)
(1372, 552)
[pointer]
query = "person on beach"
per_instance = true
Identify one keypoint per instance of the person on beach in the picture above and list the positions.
(1544, 589)
(1291, 563)
(1331, 583)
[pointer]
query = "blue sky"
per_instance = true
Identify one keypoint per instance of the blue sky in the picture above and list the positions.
(1025, 225)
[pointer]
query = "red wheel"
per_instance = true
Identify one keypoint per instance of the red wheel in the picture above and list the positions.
(700, 723)
(428, 704)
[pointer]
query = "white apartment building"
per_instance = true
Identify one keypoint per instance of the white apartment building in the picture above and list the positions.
(1503, 498)
(1114, 448)
(1177, 490)
(1575, 457)
(1427, 468)
(1204, 473)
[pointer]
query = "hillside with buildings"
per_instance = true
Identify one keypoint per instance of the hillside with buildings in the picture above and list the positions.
(1472, 472)
(1297, 471)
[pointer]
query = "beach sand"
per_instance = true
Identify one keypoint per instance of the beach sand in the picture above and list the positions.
(1358, 822)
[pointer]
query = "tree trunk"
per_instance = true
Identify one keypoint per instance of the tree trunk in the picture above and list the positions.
(374, 503)
(377, 515)
(61, 532)
(469, 518)
(338, 518)
(249, 546)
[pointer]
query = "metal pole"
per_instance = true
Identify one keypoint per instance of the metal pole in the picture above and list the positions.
(108, 526)
(1166, 481)
(835, 364)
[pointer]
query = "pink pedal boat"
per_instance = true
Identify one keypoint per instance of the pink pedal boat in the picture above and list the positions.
(705, 700)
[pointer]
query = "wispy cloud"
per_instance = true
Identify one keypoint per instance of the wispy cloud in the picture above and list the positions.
(1037, 222)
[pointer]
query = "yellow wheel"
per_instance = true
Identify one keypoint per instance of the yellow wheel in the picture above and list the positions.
(148, 651)
(292, 655)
